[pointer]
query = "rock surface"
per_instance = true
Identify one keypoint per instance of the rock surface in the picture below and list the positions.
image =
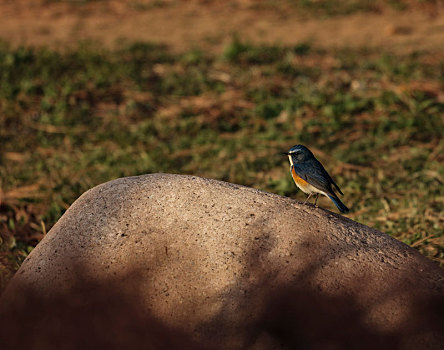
(170, 261)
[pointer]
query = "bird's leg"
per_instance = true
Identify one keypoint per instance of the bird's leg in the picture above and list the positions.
(309, 195)
(316, 200)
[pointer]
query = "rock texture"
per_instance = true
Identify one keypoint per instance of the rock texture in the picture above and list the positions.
(167, 261)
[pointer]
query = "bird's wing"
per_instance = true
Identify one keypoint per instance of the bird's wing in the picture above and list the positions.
(314, 173)
(334, 183)
(336, 186)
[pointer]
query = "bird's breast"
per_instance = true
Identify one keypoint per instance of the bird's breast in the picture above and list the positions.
(301, 183)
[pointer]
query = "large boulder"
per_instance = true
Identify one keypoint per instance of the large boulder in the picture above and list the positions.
(171, 262)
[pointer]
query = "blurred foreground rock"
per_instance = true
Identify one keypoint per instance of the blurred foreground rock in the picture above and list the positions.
(179, 262)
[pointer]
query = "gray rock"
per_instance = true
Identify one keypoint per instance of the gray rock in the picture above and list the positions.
(167, 261)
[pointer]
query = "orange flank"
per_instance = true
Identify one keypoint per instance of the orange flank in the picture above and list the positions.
(299, 181)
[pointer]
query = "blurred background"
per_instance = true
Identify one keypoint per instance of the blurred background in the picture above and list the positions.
(95, 90)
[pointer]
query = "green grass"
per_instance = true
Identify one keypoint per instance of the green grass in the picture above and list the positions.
(309, 8)
(72, 120)
(346, 7)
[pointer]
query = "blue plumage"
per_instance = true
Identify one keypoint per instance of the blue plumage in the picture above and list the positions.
(309, 169)
(341, 206)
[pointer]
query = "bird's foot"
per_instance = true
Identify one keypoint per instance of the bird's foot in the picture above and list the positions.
(316, 200)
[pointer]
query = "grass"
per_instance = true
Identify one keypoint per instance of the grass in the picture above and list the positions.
(332, 8)
(345, 7)
(72, 120)
(309, 8)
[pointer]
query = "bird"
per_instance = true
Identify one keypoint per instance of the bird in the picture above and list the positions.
(311, 177)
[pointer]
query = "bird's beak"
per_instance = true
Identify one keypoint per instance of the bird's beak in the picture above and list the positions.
(285, 153)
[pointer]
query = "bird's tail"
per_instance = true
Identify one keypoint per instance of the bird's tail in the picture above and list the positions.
(341, 206)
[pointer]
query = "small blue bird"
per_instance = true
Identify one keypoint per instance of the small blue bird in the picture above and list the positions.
(311, 177)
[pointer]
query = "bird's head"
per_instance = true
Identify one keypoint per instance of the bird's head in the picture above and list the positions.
(298, 154)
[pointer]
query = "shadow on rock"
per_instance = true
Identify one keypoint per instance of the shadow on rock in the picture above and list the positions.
(303, 314)
(91, 315)
(110, 314)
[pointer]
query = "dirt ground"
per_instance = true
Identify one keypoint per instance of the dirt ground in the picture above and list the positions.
(211, 24)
